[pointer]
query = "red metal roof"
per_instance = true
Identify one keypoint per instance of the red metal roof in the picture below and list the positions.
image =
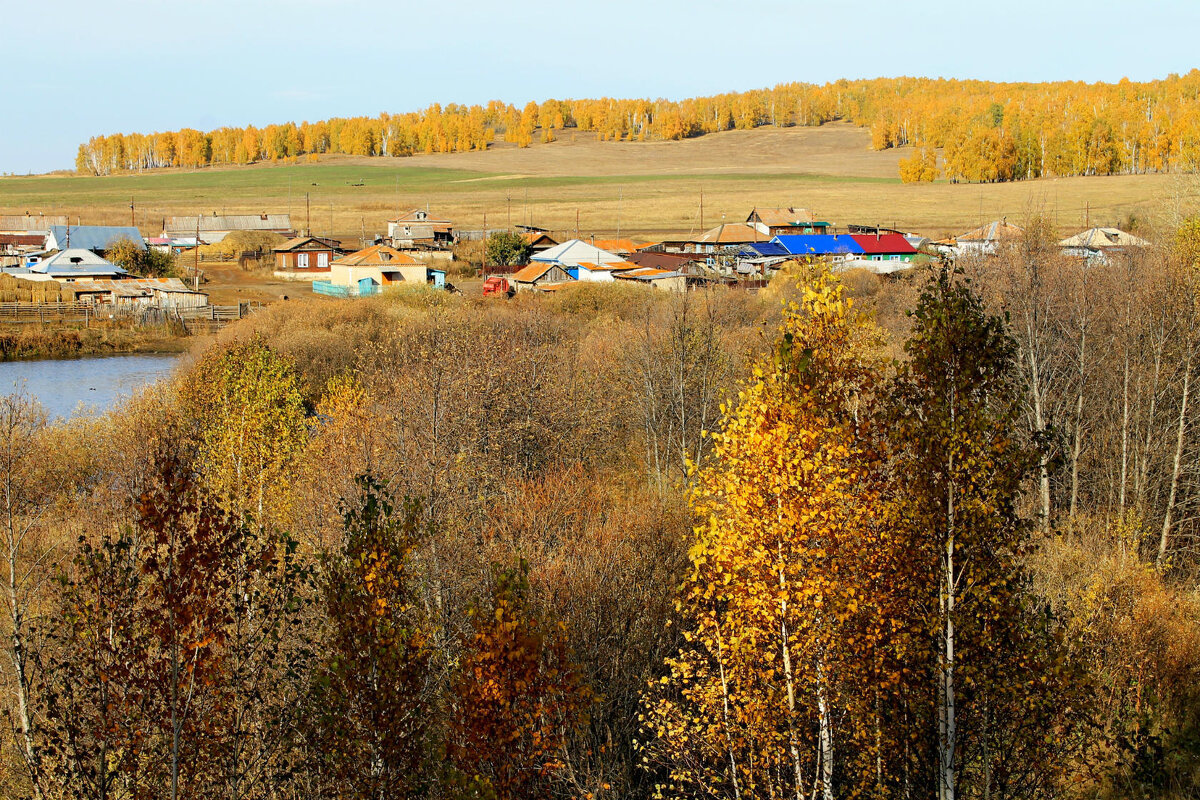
(884, 244)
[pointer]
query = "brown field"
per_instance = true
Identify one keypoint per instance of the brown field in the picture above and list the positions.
(643, 189)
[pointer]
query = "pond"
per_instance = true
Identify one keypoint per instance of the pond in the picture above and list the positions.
(68, 386)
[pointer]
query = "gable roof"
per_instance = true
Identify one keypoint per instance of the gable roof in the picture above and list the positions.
(533, 237)
(817, 244)
(230, 222)
(766, 249)
(884, 243)
(994, 231)
(377, 255)
(91, 237)
(573, 251)
(419, 216)
(664, 260)
(618, 246)
(1101, 238)
(76, 261)
(532, 272)
(30, 222)
(779, 217)
(301, 241)
(731, 233)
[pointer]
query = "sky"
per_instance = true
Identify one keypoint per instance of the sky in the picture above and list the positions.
(80, 68)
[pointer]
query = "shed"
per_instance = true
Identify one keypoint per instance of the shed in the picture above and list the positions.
(216, 227)
(539, 274)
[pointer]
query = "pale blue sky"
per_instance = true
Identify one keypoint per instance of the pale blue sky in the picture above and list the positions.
(77, 68)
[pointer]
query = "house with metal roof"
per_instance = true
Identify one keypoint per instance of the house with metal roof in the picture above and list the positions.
(835, 248)
(70, 266)
(985, 240)
(574, 252)
(885, 247)
(96, 238)
(1098, 244)
(216, 227)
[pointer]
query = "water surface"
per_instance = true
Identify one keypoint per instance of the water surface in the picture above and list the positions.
(67, 387)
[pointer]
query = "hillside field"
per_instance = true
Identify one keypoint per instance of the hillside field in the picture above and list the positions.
(642, 189)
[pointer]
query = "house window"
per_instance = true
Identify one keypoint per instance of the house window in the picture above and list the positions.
(322, 260)
(302, 260)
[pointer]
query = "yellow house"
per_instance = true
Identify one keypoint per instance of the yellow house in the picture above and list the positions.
(369, 271)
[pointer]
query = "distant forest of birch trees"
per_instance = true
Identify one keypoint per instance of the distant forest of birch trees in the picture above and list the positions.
(984, 131)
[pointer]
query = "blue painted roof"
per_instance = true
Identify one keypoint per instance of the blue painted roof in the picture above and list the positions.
(817, 244)
(91, 237)
(771, 248)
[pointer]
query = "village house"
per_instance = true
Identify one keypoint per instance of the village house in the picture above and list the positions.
(777, 221)
(985, 240)
(574, 252)
(70, 266)
(417, 230)
(538, 241)
(369, 271)
(300, 258)
(95, 238)
(216, 227)
(1100, 244)
(726, 236)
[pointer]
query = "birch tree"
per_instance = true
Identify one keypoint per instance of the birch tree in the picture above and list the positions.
(752, 705)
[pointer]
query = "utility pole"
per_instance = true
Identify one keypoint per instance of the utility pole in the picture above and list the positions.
(701, 208)
(132, 214)
(508, 201)
(620, 197)
(576, 222)
(196, 259)
(307, 217)
(483, 265)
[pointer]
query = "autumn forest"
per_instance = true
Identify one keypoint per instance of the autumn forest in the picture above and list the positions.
(983, 131)
(852, 536)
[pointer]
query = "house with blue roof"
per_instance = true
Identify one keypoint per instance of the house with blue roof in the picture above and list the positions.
(837, 248)
(96, 238)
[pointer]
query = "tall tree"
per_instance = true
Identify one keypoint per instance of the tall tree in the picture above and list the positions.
(960, 460)
(773, 611)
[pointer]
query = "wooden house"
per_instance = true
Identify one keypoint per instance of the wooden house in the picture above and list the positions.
(303, 256)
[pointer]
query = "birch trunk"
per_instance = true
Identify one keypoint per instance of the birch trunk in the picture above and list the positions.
(1180, 435)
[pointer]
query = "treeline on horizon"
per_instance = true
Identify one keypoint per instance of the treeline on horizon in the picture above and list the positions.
(615, 544)
(985, 131)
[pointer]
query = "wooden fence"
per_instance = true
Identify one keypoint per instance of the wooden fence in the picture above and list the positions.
(142, 315)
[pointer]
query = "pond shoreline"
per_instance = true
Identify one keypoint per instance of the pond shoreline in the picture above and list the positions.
(36, 343)
(66, 387)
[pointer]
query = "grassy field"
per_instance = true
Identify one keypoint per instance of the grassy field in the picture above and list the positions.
(644, 189)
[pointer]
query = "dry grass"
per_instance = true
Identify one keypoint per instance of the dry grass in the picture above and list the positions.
(645, 189)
